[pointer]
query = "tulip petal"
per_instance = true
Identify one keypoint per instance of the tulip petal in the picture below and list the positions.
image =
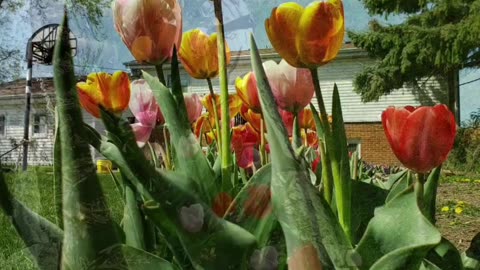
(321, 32)
(142, 133)
(119, 91)
(282, 28)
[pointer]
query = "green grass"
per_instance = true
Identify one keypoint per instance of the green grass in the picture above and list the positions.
(35, 189)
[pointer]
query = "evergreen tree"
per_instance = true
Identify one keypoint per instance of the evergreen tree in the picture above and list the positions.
(437, 39)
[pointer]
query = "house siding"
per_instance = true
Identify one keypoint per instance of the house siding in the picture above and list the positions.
(40, 151)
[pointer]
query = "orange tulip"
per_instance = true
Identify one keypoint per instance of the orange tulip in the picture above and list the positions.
(234, 103)
(307, 37)
(198, 54)
(247, 91)
(149, 28)
(112, 92)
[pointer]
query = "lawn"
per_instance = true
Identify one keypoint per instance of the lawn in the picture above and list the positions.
(35, 189)
(458, 210)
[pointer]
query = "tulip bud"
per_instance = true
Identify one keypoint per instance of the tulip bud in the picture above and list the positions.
(307, 37)
(292, 87)
(198, 54)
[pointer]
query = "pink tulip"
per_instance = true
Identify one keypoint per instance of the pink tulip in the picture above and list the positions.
(194, 106)
(145, 109)
(149, 28)
(292, 87)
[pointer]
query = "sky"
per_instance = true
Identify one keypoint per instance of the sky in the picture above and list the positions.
(101, 49)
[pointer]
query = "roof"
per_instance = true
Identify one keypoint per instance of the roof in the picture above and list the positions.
(17, 87)
(348, 50)
(40, 86)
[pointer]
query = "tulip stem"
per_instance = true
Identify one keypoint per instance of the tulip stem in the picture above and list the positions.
(342, 188)
(215, 115)
(419, 191)
(222, 64)
(168, 163)
(160, 74)
(297, 134)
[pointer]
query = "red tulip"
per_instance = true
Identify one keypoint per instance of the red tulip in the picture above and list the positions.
(221, 203)
(422, 137)
(244, 140)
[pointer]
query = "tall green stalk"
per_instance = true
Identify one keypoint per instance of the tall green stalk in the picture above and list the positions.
(222, 64)
(333, 151)
(88, 227)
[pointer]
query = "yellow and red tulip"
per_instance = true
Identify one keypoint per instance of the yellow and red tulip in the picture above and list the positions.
(112, 92)
(422, 137)
(149, 28)
(253, 118)
(198, 54)
(247, 91)
(307, 37)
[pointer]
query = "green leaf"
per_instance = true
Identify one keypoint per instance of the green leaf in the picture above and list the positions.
(88, 227)
(306, 218)
(41, 237)
(402, 183)
(471, 257)
(132, 220)
(170, 195)
(135, 259)
(365, 199)
(413, 236)
(252, 208)
(445, 256)
(341, 165)
(190, 159)
(57, 174)
(327, 175)
(140, 179)
(430, 193)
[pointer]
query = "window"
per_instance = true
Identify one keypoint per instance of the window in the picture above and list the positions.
(354, 146)
(39, 124)
(3, 125)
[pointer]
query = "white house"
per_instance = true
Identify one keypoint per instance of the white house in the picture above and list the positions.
(363, 123)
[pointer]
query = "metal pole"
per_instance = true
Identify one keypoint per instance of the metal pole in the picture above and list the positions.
(28, 96)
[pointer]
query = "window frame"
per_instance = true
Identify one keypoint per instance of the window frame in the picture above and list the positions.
(34, 124)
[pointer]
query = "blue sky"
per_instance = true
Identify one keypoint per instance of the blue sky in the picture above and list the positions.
(102, 49)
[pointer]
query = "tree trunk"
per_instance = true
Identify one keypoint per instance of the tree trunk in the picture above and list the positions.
(453, 92)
